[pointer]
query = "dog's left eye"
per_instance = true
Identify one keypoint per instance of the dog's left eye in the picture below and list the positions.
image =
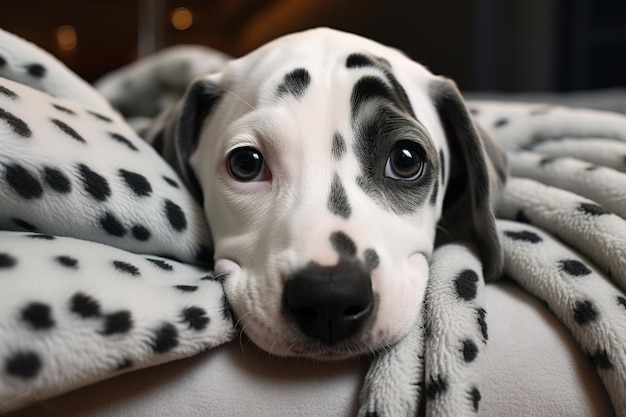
(404, 162)
(246, 164)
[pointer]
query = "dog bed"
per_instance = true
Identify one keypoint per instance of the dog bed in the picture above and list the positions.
(93, 219)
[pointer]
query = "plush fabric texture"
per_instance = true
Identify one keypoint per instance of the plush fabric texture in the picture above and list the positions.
(84, 295)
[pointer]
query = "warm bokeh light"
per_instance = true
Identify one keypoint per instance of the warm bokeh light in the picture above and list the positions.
(67, 38)
(182, 18)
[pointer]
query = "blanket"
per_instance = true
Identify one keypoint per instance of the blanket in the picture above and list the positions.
(105, 256)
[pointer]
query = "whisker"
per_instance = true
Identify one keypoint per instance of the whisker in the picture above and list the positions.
(236, 96)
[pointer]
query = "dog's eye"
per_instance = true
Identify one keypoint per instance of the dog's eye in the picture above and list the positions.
(246, 164)
(404, 162)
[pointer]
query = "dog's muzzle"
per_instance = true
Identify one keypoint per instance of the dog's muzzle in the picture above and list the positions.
(330, 303)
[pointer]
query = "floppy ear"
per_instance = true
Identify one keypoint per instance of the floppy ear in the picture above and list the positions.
(176, 134)
(477, 174)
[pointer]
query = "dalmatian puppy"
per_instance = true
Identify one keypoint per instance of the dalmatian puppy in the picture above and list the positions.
(329, 167)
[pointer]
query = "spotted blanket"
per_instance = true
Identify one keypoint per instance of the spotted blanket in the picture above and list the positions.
(105, 255)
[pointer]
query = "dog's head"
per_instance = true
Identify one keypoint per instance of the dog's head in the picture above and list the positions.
(324, 162)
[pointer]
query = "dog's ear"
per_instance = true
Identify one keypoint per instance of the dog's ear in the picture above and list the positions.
(477, 174)
(176, 134)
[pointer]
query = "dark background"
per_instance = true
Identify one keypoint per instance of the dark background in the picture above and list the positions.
(497, 45)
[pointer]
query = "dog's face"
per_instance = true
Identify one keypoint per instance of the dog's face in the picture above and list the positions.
(322, 160)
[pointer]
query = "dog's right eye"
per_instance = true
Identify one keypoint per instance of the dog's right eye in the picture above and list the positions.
(246, 164)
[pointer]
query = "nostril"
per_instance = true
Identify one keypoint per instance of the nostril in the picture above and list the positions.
(356, 312)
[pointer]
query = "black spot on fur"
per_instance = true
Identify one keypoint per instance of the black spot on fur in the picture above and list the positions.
(339, 146)
(57, 180)
(126, 268)
(140, 233)
(3, 61)
(295, 83)
(161, 264)
(523, 236)
(342, 243)
(175, 216)
(621, 301)
(84, 305)
(521, 217)
(23, 224)
(171, 182)
(186, 288)
(67, 261)
(100, 116)
(94, 184)
(476, 397)
(442, 165)
(601, 359)
(7, 261)
(118, 322)
(482, 323)
(124, 364)
(367, 88)
(8, 93)
(165, 338)
(435, 387)
(63, 109)
(124, 141)
(36, 70)
(470, 350)
(466, 285)
(23, 182)
(38, 316)
(547, 160)
(371, 259)
(592, 209)
(41, 236)
(196, 318)
(112, 225)
(338, 203)
(18, 126)
(357, 60)
(574, 267)
(136, 182)
(23, 364)
(584, 312)
(68, 130)
(501, 122)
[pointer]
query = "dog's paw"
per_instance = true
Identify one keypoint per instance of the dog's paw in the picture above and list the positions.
(392, 386)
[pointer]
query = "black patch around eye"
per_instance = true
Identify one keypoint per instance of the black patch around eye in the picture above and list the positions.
(338, 203)
(339, 146)
(342, 243)
(18, 126)
(295, 83)
(65, 128)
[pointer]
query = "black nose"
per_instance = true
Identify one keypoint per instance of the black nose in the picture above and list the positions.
(329, 303)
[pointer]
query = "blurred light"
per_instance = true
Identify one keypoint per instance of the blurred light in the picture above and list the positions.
(66, 38)
(182, 18)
